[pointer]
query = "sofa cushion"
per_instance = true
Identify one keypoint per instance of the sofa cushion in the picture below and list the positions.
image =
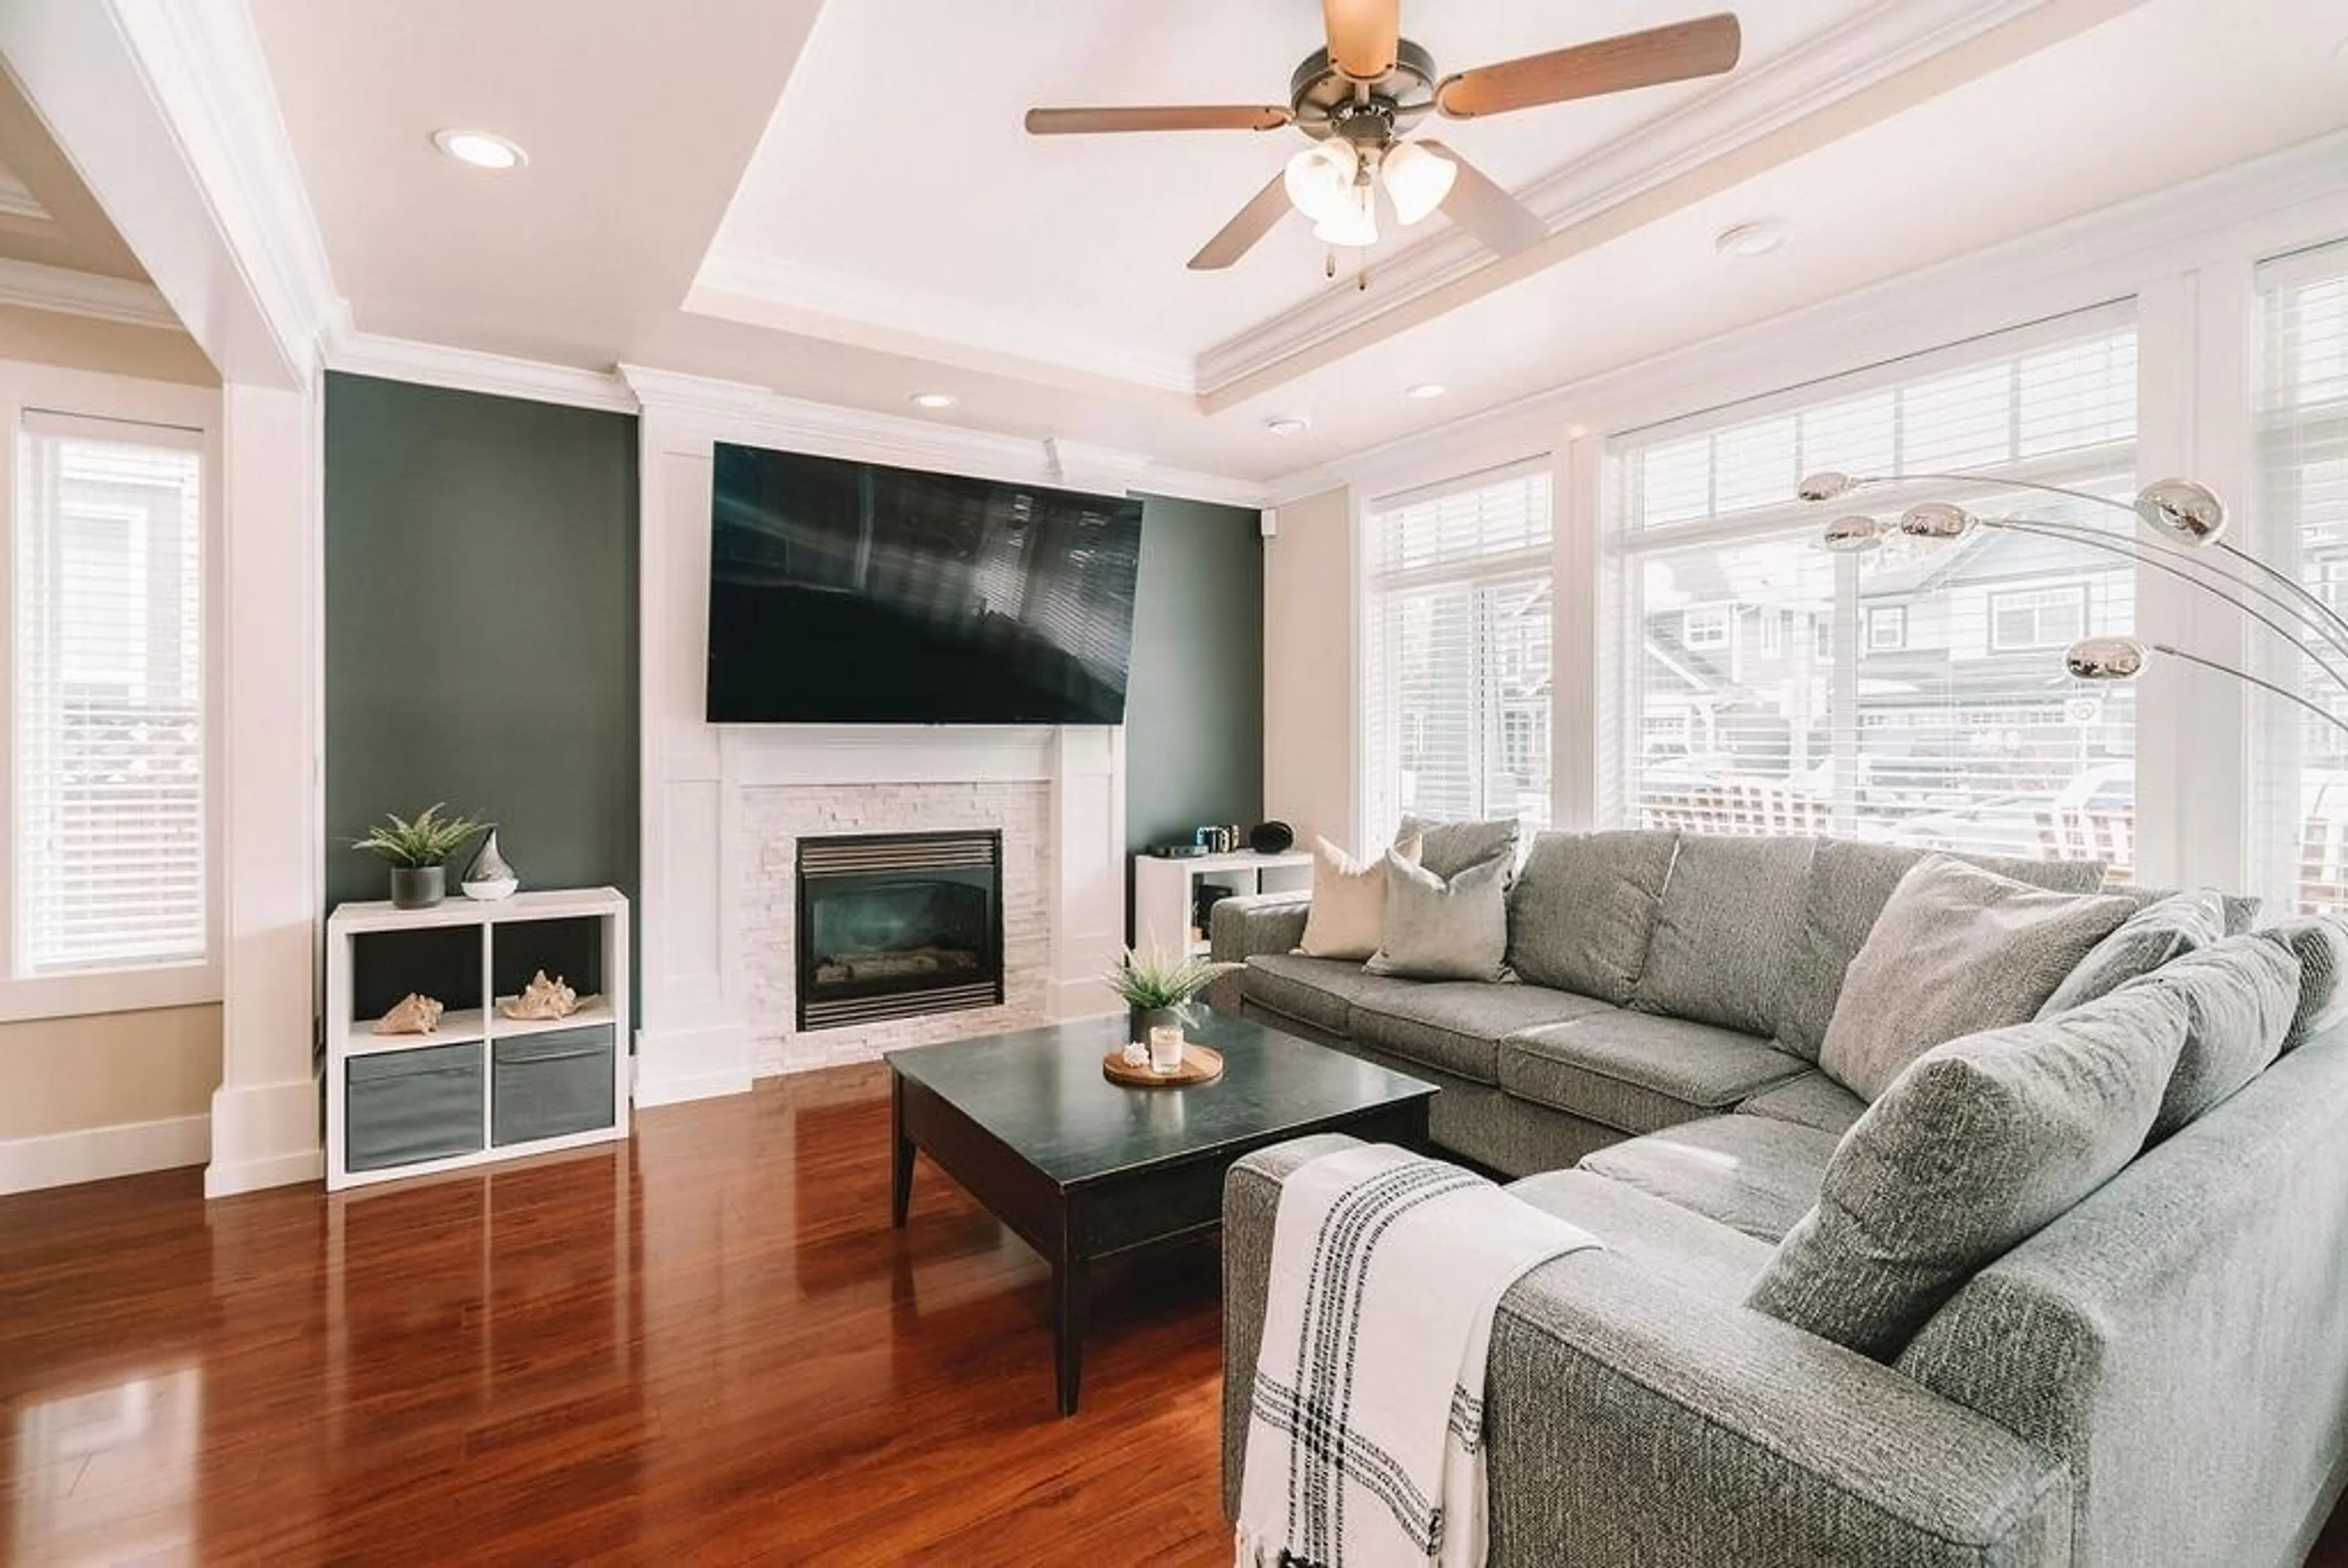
(1718, 955)
(1715, 1261)
(1445, 928)
(1347, 916)
(1447, 848)
(1749, 1172)
(1583, 910)
(1848, 886)
(1813, 1099)
(2158, 932)
(1956, 950)
(1319, 991)
(1974, 1149)
(1458, 1025)
(1637, 1072)
(2238, 911)
(2240, 997)
(2319, 943)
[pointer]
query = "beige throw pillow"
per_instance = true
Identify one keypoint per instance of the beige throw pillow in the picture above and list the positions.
(1956, 950)
(1348, 917)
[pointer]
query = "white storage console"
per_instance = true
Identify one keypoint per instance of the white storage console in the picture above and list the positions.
(1165, 891)
(481, 1086)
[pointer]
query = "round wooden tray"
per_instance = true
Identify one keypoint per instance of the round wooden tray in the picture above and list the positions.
(1200, 1064)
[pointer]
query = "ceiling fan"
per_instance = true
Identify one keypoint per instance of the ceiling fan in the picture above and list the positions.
(1361, 96)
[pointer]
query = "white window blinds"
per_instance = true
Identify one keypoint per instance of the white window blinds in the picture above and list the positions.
(2301, 526)
(1456, 653)
(108, 701)
(1751, 682)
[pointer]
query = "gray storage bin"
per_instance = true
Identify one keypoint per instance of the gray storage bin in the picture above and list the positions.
(404, 1106)
(547, 1085)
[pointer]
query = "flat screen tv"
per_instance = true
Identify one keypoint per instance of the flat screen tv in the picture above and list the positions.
(855, 593)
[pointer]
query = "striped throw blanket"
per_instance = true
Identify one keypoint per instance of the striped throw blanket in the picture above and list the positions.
(1364, 1443)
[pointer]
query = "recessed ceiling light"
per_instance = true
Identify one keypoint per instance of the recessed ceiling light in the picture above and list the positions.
(1288, 424)
(1424, 390)
(935, 399)
(479, 148)
(1576, 431)
(1748, 239)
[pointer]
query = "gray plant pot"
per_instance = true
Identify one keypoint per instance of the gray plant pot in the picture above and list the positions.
(418, 886)
(1143, 1020)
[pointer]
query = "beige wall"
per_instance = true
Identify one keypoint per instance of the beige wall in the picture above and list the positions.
(1309, 714)
(74, 1074)
(79, 343)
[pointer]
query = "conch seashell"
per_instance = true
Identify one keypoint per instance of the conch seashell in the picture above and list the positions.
(415, 1014)
(541, 998)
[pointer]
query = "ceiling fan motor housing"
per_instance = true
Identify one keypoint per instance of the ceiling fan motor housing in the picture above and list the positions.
(1328, 103)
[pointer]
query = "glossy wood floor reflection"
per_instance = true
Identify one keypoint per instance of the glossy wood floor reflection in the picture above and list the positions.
(705, 1345)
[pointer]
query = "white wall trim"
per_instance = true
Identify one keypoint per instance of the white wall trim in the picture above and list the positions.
(264, 1135)
(472, 370)
(18, 200)
(124, 300)
(95, 1153)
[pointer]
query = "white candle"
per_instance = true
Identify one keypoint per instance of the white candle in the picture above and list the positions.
(1166, 1047)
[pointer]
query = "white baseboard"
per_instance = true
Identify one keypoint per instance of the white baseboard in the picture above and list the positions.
(264, 1135)
(680, 1064)
(95, 1153)
(677, 1089)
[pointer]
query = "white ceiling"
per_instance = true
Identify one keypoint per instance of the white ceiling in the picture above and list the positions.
(852, 223)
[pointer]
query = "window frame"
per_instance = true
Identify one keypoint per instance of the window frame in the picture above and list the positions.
(100, 397)
(2001, 598)
(1891, 615)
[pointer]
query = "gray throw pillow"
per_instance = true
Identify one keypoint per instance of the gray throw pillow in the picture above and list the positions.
(2238, 996)
(1848, 884)
(1721, 933)
(1443, 928)
(2155, 935)
(1583, 910)
(2319, 943)
(1956, 950)
(1978, 1146)
(1447, 848)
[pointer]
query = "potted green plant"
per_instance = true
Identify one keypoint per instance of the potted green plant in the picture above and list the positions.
(418, 852)
(1161, 991)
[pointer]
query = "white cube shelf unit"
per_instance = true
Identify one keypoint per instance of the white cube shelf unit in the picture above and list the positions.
(1165, 891)
(481, 1086)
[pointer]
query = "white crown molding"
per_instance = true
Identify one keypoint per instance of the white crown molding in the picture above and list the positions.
(1868, 48)
(891, 314)
(2269, 205)
(470, 370)
(18, 200)
(125, 301)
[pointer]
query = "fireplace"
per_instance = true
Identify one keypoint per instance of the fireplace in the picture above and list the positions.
(895, 924)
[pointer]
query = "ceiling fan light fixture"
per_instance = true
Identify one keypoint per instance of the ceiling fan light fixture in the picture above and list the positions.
(1353, 223)
(1416, 180)
(1321, 178)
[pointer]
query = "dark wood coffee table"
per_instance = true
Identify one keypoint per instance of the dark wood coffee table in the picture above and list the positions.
(1082, 1169)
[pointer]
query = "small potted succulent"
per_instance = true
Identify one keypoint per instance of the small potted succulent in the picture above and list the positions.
(1162, 990)
(418, 852)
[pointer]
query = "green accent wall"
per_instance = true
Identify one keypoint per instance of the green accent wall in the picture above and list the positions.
(481, 628)
(1194, 702)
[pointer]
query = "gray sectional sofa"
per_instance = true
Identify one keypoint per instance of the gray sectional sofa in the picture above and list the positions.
(2160, 1375)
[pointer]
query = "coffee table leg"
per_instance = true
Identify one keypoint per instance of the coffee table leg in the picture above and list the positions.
(1070, 1279)
(901, 1171)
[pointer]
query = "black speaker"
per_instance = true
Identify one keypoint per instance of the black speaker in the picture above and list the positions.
(1271, 838)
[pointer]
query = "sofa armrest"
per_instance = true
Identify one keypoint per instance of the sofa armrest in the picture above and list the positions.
(1631, 1422)
(1247, 924)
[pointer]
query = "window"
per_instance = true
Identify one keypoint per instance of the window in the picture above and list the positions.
(2025, 620)
(2300, 768)
(1929, 704)
(108, 739)
(1456, 652)
(1772, 627)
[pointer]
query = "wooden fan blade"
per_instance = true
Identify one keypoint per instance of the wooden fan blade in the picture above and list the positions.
(1264, 210)
(1179, 117)
(1477, 203)
(1704, 48)
(1364, 36)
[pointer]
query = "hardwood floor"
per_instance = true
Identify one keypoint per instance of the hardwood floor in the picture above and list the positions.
(705, 1345)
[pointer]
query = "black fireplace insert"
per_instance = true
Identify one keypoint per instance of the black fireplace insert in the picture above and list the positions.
(895, 924)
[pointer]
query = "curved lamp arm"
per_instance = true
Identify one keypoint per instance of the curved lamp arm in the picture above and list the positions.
(2117, 659)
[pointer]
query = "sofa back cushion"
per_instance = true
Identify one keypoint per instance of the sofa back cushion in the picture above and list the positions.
(1583, 910)
(1956, 950)
(1447, 848)
(1443, 928)
(1978, 1146)
(2319, 943)
(2158, 933)
(2238, 996)
(1849, 885)
(1719, 951)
